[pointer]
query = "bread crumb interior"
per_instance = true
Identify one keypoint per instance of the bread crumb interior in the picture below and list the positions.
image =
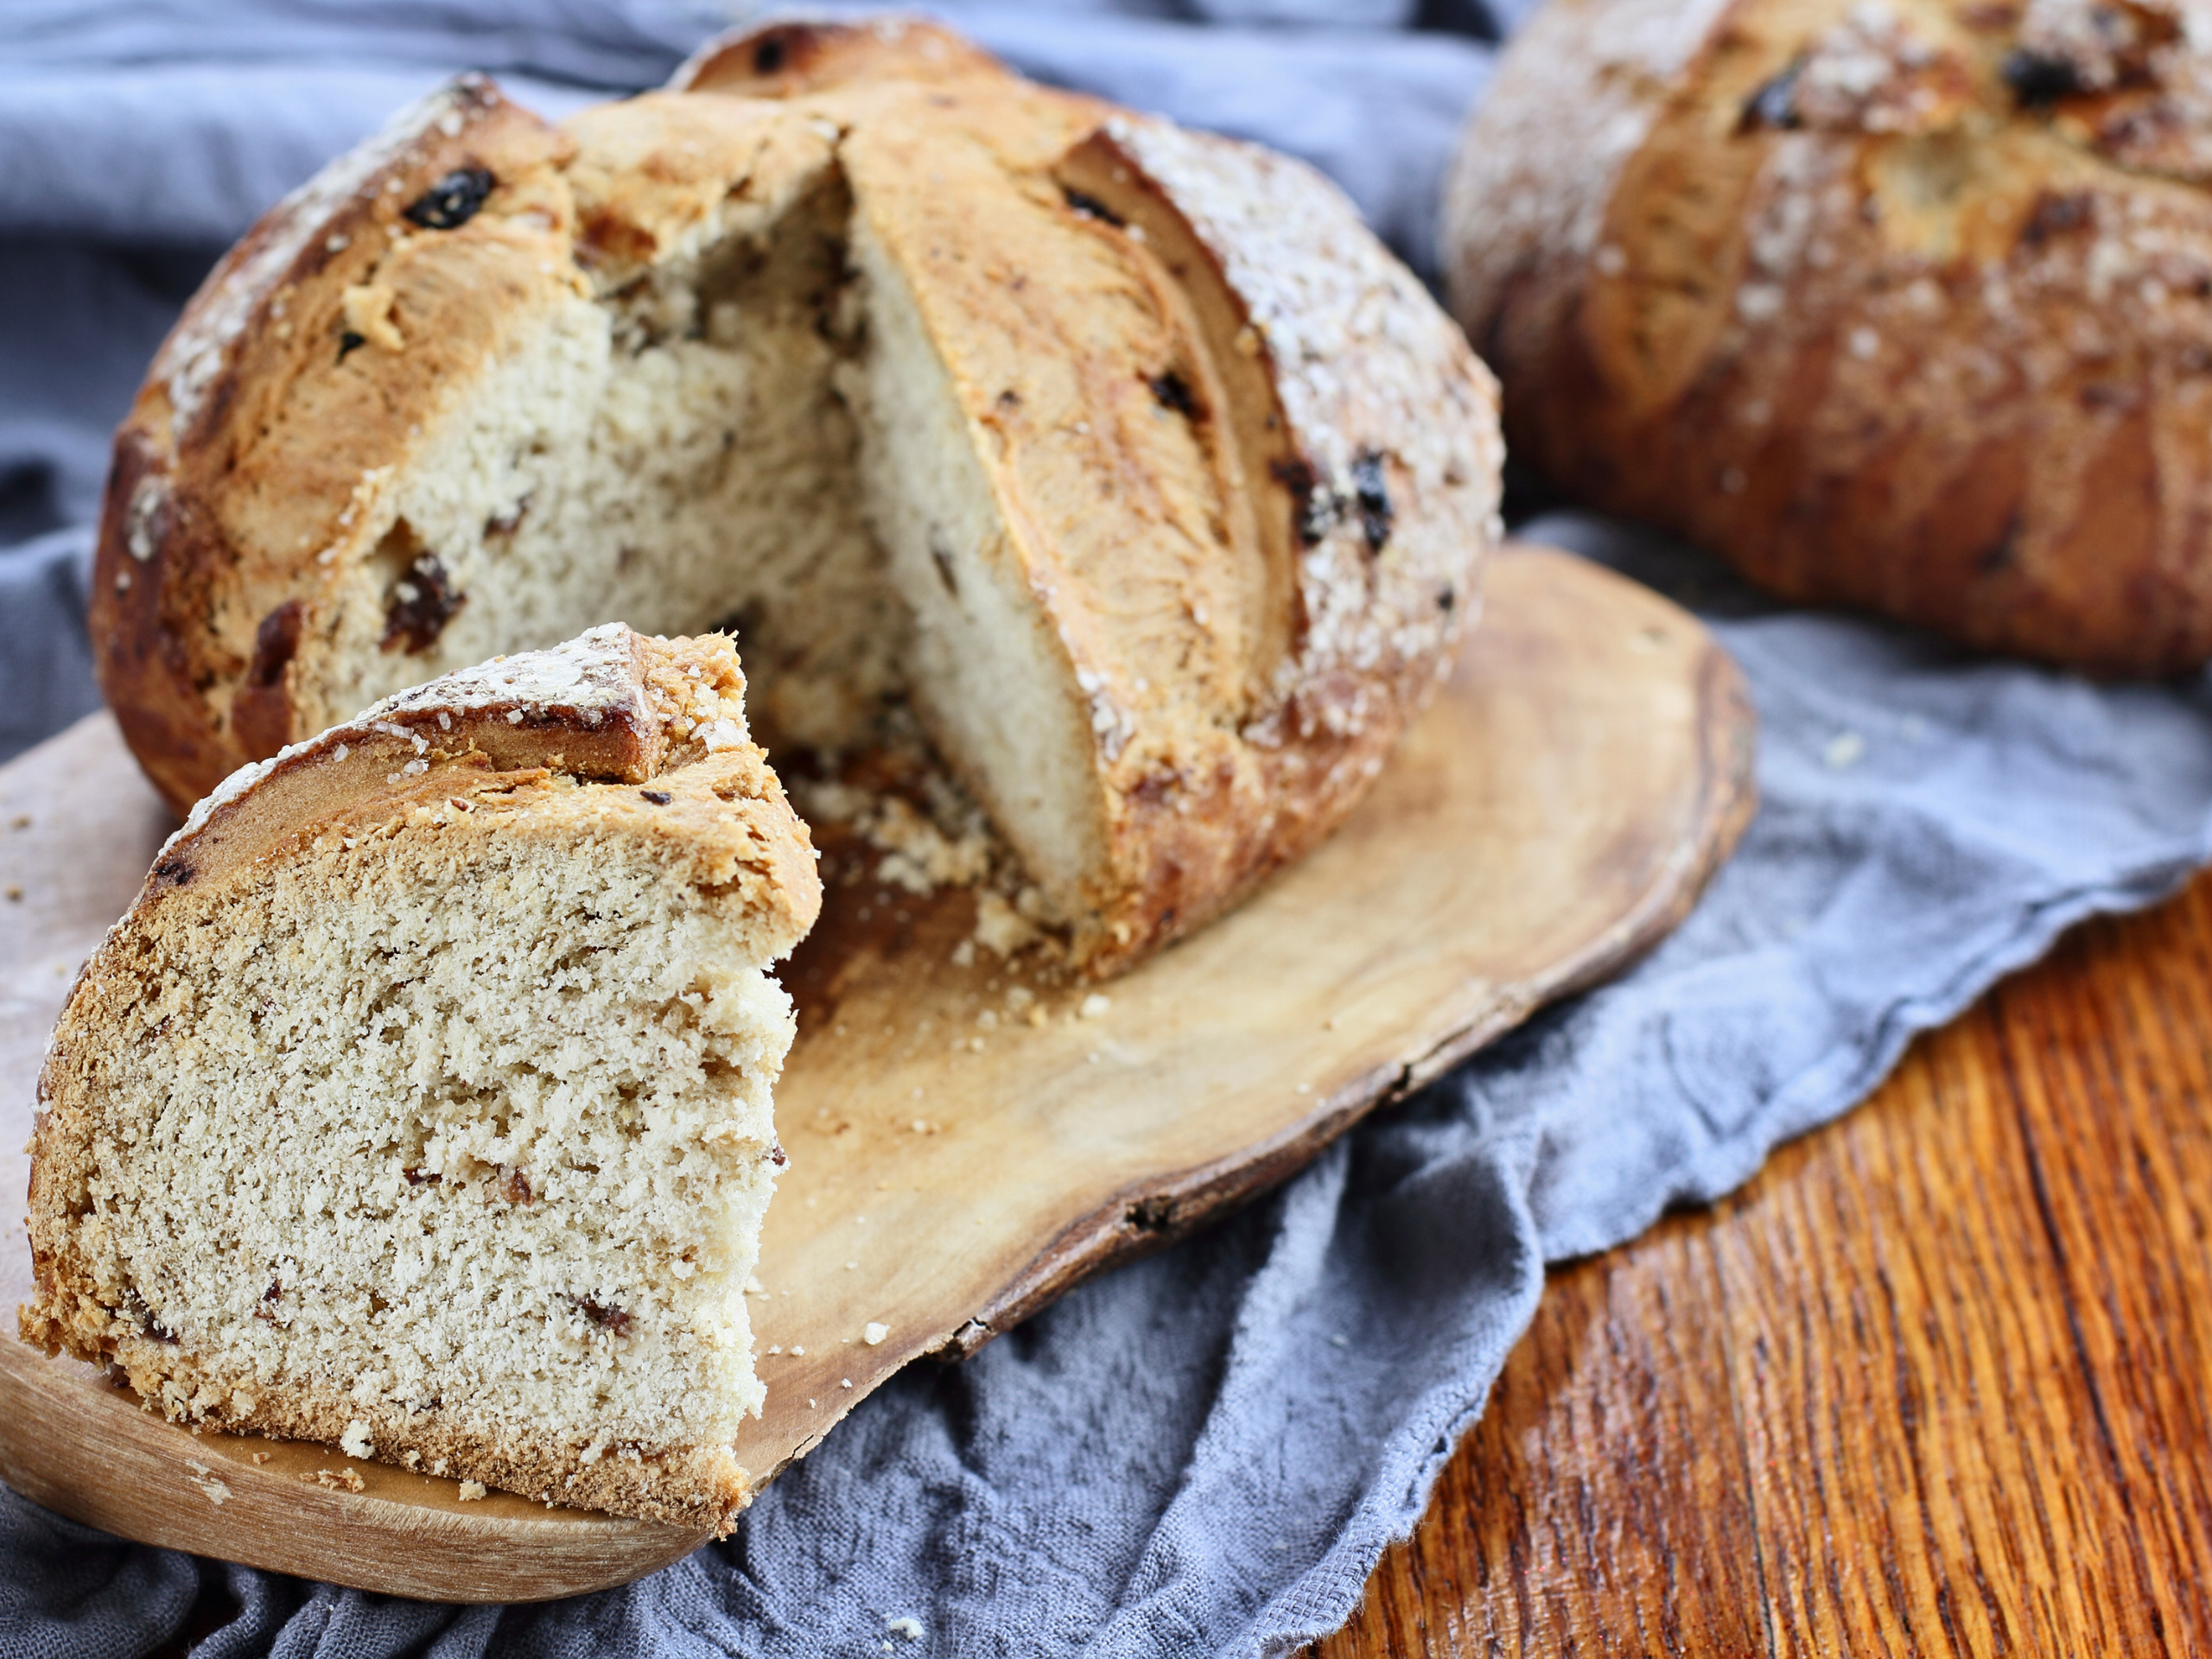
(753, 432)
(463, 1129)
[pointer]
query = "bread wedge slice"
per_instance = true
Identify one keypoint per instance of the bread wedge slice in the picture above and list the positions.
(421, 1103)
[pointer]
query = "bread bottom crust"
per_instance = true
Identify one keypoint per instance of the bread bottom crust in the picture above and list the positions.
(702, 1486)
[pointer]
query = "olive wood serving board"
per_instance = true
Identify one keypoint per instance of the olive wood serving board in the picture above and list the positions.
(1552, 816)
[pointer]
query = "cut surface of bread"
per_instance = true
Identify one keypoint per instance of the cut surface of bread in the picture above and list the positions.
(1123, 457)
(422, 1101)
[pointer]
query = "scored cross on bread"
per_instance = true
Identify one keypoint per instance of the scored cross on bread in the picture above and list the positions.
(420, 1102)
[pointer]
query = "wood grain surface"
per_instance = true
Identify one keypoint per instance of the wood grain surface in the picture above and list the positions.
(1939, 1381)
(967, 1139)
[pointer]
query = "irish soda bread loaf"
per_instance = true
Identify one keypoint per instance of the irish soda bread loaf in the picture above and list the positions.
(1900, 303)
(420, 1102)
(1124, 456)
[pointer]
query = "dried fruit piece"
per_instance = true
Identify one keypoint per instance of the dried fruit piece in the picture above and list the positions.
(422, 602)
(453, 200)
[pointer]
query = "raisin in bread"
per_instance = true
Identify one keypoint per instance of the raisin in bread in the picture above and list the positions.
(1905, 304)
(420, 1103)
(1123, 456)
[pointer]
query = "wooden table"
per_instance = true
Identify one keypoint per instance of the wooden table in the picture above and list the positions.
(1938, 1381)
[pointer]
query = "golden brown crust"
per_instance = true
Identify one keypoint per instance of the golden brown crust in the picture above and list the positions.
(1900, 306)
(1264, 551)
(496, 740)
(684, 1485)
(785, 59)
(1370, 454)
(261, 417)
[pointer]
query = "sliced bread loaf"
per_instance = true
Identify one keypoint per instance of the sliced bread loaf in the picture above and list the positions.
(1124, 454)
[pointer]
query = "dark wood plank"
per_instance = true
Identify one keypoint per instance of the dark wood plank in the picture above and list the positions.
(1939, 1381)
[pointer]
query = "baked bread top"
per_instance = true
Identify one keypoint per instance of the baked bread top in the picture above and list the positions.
(1124, 454)
(1902, 304)
(420, 1102)
(518, 734)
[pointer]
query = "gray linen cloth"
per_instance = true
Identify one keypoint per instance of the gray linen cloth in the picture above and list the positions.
(1204, 1453)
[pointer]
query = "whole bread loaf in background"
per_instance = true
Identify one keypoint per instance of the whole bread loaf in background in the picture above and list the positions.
(1124, 456)
(1904, 304)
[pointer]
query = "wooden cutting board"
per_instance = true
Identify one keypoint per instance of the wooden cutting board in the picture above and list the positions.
(967, 1143)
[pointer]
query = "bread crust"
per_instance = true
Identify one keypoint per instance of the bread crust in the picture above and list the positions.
(787, 58)
(497, 752)
(1353, 474)
(214, 510)
(1368, 443)
(1900, 306)
(483, 735)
